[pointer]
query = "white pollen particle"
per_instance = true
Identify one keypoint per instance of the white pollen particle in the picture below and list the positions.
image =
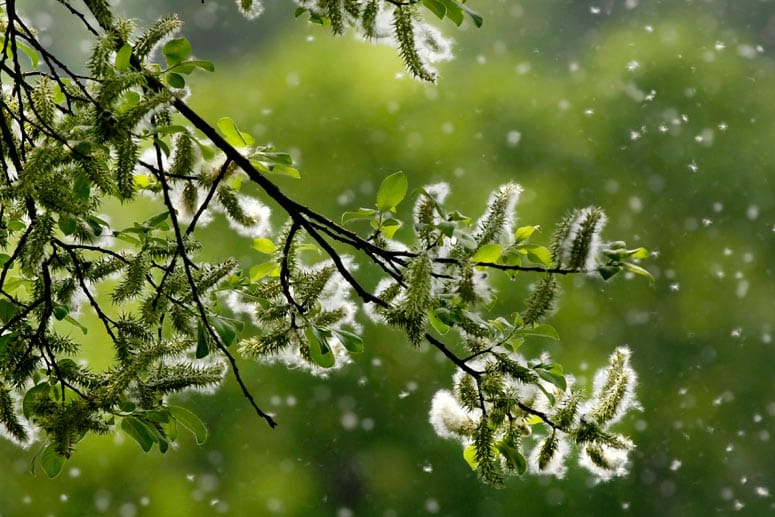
(513, 138)
(632, 65)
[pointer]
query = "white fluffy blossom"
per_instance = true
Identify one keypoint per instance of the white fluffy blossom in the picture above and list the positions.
(448, 418)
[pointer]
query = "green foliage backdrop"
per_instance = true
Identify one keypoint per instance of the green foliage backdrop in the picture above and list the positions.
(660, 113)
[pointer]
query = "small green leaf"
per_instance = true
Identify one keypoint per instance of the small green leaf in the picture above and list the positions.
(454, 11)
(435, 7)
(191, 422)
(16, 225)
(60, 311)
(553, 378)
(539, 329)
(259, 271)
(232, 134)
(175, 80)
(607, 272)
(392, 191)
(139, 431)
(75, 323)
(476, 17)
(513, 457)
(36, 394)
(67, 224)
(51, 461)
(142, 181)
(488, 253)
(447, 317)
(539, 255)
(157, 220)
(122, 58)
(523, 233)
(202, 341)
(284, 170)
(361, 213)
(389, 227)
(548, 395)
(319, 349)
(632, 268)
(225, 330)
(352, 342)
(639, 253)
(176, 51)
(438, 325)
(469, 454)
(264, 245)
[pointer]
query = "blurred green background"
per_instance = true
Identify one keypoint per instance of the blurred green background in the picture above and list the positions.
(660, 112)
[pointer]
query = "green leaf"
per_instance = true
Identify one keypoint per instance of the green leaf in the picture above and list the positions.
(513, 457)
(191, 422)
(4, 257)
(361, 213)
(225, 330)
(36, 394)
(552, 377)
(264, 245)
(186, 67)
(447, 317)
(454, 11)
(7, 310)
(440, 327)
(389, 227)
(639, 253)
(539, 255)
(202, 341)
(175, 80)
(142, 181)
(392, 191)
(122, 58)
(72, 321)
(67, 224)
(232, 134)
(60, 311)
(608, 272)
(435, 7)
(259, 271)
(549, 396)
(284, 170)
(476, 17)
(139, 431)
(352, 342)
(523, 233)
(157, 219)
(488, 253)
(51, 461)
(16, 225)
(31, 54)
(176, 51)
(319, 349)
(632, 268)
(539, 329)
(469, 454)
(82, 186)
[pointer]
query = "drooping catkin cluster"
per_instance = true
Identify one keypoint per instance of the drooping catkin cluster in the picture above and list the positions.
(398, 24)
(576, 243)
(525, 408)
